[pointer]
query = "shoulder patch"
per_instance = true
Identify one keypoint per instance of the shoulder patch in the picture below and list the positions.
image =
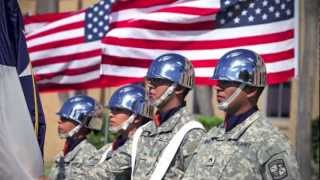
(278, 169)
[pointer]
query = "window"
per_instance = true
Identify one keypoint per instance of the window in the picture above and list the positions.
(278, 100)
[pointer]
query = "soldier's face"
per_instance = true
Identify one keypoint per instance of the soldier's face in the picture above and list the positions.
(118, 116)
(225, 89)
(65, 126)
(156, 87)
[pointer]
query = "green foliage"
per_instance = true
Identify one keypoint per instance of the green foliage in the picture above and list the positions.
(209, 121)
(97, 139)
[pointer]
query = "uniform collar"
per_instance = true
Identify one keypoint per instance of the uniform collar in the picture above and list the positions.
(235, 133)
(167, 125)
(71, 143)
(119, 141)
(71, 154)
(232, 121)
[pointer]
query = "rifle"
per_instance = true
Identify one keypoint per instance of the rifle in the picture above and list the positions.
(62, 169)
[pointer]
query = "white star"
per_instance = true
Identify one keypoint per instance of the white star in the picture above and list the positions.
(251, 18)
(244, 12)
(106, 17)
(106, 28)
(89, 25)
(227, 2)
(100, 23)
(100, 13)
(90, 15)
(95, 30)
(251, 5)
(264, 17)
(288, 12)
(277, 1)
(283, 6)
(264, 3)
(90, 36)
(95, 9)
(95, 19)
(230, 14)
(237, 6)
(100, 34)
(222, 21)
(277, 14)
(101, 2)
(271, 8)
(106, 7)
(258, 11)
(236, 20)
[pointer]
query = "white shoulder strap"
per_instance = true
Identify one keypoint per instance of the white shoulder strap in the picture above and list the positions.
(170, 151)
(105, 154)
(135, 140)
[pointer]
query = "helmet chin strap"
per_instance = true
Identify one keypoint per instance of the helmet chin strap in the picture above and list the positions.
(70, 133)
(73, 131)
(165, 96)
(224, 105)
(124, 125)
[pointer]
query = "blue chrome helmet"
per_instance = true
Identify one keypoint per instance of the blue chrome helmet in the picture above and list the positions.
(173, 67)
(130, 97)
(243, 66)
(78, 108)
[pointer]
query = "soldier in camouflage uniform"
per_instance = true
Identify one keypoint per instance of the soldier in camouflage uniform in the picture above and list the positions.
(246, 146)
(125, 116)
(168, 80)
(76, 121)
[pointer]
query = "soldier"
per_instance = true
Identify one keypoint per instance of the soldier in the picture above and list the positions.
(246, 146)
(76, 122)
(162, 148)
(127, 113)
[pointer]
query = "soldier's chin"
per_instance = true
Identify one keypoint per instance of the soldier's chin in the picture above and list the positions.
(63, 135)
(114, 129)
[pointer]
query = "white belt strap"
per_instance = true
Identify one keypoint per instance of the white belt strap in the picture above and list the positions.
(135, 140)
(170, 151)
(105, 154)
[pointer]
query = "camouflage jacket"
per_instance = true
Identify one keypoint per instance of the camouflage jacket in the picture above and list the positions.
(72, 160)
(150, 145)
(251, 150)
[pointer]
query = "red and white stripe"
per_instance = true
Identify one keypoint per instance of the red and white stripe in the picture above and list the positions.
(143, 30)
(61, 59)
(35, 22)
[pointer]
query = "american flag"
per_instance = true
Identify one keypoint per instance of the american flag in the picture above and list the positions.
(66, 54)
(201, 30)
(35, 22)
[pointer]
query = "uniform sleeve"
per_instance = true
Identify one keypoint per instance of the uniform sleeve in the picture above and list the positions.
(190, 144)
(118, 164)
(190, 171)
(278, 162)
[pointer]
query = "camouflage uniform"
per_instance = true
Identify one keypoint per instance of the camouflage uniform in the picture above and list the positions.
(72, 160)
(251, 150)
(150, 145)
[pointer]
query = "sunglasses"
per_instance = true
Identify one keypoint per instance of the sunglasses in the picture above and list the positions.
(119, 110)
(155, 82)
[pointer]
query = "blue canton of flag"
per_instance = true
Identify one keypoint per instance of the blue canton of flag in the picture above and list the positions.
(237, 13)
(97, 20)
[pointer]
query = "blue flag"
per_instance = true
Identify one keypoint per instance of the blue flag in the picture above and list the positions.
(13, 52)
